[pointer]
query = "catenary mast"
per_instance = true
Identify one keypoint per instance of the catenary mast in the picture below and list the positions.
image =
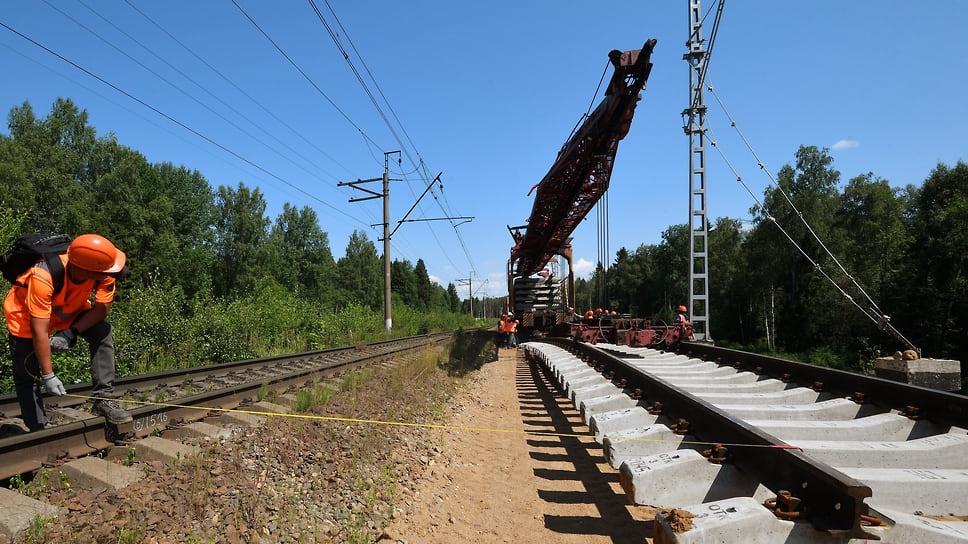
(694, 118)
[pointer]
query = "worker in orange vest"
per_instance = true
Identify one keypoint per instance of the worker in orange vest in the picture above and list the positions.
(502, 329)
(512, 328)
(682, 316)
(33, 311)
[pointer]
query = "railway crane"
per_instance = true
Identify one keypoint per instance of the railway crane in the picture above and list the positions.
(568, 192)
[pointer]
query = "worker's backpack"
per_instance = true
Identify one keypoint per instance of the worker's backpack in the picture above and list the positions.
(29, 249)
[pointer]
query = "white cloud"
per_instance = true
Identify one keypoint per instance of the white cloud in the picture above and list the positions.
(434, 279)
(583, 267)
(845, 144)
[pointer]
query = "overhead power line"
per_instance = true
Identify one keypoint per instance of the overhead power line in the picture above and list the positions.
(418, 162)
(226, 79)
(181, 124)
(305, 76)
(197, 84)
(873, 312)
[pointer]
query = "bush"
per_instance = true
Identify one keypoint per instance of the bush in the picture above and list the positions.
(353, 324)
(217, 334)
(151, 327)
(158, 328)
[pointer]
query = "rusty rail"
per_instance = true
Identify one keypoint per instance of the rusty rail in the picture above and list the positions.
(32, 451)
(931, 404)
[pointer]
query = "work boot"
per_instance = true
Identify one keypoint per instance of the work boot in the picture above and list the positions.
(111, 411)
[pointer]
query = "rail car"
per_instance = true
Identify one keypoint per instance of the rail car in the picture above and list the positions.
(622, 330)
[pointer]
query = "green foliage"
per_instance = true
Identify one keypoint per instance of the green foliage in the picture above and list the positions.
(241, 230)
(316, 396)
(12, 224)
(218, 333)
(425, 289)
(150, 328)
(298, 255)
(353, 324)
(360, 273)
(826, 356)
(213, 279)
(404, 282)
(769, 288)
(276, 319)
(470, 351)
(453, 299)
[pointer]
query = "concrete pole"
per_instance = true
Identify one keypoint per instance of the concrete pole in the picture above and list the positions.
(388, 319)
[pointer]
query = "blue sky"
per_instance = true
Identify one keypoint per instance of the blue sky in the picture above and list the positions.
(486, 94)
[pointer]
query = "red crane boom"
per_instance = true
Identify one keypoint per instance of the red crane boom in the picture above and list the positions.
(579, 177)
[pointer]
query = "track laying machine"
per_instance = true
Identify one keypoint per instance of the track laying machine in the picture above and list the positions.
(542, 300)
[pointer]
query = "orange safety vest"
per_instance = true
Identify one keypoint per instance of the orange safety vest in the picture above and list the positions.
(38, 300)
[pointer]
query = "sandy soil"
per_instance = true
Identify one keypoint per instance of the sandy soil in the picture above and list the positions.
(498, 483)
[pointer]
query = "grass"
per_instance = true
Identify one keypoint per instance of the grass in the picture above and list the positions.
(345, 488)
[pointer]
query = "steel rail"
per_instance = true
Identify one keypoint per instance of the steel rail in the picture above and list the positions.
(921, 402)
(32, 451)
(123, 387)
(831, 500)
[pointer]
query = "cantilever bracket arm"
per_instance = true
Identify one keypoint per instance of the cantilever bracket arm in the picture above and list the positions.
(429, 185)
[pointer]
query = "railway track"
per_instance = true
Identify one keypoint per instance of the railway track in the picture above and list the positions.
(737, 447)
(164, 405)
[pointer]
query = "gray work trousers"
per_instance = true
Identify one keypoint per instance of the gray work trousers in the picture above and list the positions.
(28, 382)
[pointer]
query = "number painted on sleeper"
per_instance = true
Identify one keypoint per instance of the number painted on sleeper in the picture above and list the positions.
(150, 421)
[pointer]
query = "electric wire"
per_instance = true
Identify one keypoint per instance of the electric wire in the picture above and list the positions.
(786, 197)
(211, 94)
(704, 68)
(874, 313)
(772, 219)
(179, 123)
(426, 179)
(419, 162)
(172, 85)
(366, 89)
(236, 87)
(591, 104)
(218, 157)
(304, 74)
(373, 100)
(604, 252)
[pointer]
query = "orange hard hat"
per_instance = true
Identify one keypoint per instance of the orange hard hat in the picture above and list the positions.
(95, 253)
(614, 312)
(682, 308)
(589, 313)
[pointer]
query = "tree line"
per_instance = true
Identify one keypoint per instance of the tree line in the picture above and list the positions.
(195, 250)
(904, 250)
(58, 175)
(212, 278)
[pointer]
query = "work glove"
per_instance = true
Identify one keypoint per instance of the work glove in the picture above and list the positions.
(62, 341)
(53, 384)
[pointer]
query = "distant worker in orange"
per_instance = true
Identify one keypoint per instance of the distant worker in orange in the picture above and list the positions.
(33, 311)
(683, 315)
(502, 331)
(512, 328)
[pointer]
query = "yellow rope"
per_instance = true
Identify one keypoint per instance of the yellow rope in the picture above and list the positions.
(432, 425)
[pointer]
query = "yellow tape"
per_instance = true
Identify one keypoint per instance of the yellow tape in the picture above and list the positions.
(434, 426)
